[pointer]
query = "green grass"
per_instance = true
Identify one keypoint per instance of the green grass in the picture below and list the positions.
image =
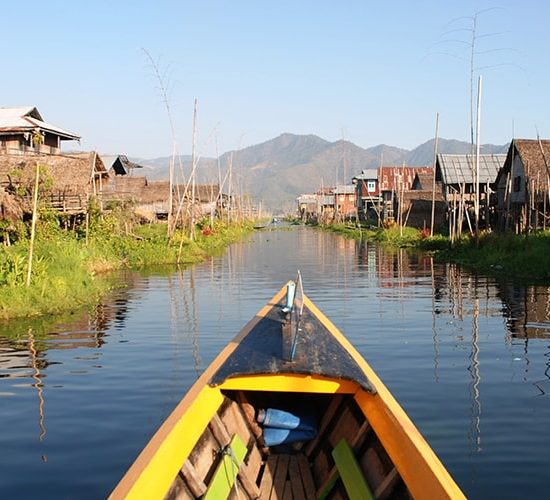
(68, 273)
(510, 255)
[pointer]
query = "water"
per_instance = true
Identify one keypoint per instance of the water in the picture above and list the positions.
(467, 357)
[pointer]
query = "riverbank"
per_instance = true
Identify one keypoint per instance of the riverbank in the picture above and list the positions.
(518, 256)
(70, 269)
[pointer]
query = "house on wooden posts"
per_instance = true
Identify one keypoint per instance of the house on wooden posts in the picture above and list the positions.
(523, 186)
(208, 198)
(307, 206)
(67, 183)
(415, 209)
(325, 204)
(457, 174)
(345, 205)
(22, 130)
(368, 197)
(393, 183)
(155, 198)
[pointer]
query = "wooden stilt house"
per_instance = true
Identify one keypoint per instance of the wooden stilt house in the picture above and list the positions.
(457, 175)
(23, 130)
(67, 182)
(523, 186)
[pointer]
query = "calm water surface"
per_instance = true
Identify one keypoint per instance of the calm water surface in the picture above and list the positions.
(466, 356)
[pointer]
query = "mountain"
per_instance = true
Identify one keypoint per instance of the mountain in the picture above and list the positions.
(278, 170)
(423, 154)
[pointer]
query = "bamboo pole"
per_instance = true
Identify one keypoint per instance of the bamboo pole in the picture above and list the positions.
(33, 223)
(434, 167)
(476, 205)
(193, 171)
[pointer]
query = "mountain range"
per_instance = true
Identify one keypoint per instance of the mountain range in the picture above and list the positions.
(275, 172)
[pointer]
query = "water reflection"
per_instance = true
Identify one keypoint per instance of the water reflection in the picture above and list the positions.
(447, 342)
(38, 386)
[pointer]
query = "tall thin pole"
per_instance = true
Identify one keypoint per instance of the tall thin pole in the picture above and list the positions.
(193, 172)
(476, 180)
(33, 223)
(434, 167)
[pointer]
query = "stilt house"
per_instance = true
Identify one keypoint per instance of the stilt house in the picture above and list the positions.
(457, 174)
(66, 182)
(523, 186)
(368, 194)
(22, 130)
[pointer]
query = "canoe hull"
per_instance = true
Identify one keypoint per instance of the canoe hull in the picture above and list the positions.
(396, 459)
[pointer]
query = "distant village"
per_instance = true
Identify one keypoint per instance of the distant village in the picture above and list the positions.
(71, 181)
(511, 192)
(507, 192)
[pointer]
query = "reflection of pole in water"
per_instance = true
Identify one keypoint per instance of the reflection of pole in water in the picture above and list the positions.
(475, 428)
(538, 383)
(194, 324)
(190, 314)
(435, 336)
(38, 385)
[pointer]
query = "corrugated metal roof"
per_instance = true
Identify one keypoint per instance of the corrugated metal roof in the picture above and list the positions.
(307, 198)
(345, 189)
(459, 169)
(26, 119)
(20, 111)
(371, 173)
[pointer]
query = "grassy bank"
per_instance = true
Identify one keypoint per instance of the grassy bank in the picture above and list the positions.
(510, 255)
(70, 270)
(507, 255)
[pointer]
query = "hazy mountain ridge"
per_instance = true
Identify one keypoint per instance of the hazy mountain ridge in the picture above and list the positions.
(276, 171)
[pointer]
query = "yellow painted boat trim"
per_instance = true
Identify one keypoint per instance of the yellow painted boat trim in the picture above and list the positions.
(290, 382)
(156, 479)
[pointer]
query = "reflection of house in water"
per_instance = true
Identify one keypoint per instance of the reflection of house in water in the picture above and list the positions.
(392, 268)
(527, 309)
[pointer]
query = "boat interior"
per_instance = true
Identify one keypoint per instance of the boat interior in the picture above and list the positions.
(344, 458)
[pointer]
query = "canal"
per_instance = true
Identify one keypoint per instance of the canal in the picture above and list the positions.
(468, 358)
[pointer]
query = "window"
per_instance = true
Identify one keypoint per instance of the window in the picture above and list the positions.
(371, 186)
(517, 184)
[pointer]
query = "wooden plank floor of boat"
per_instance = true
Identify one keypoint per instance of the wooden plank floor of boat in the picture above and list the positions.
(308, 473)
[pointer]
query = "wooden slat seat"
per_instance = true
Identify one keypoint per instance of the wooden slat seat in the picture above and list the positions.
(287, 476)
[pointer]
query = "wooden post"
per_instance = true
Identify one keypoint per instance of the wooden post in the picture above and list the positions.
(193, 172)
(476, 179)
(434, 167)
(87, 226)
(33, 223)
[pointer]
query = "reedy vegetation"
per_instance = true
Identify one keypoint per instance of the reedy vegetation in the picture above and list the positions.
(68, 271)
(505, 254)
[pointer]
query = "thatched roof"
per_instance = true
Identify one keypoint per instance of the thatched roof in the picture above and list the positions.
(9, 208)
(533, 158)
(68, 174)
(205, 193)
(155, 191)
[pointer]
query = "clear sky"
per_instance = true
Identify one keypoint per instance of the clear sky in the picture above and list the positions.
(371, 72)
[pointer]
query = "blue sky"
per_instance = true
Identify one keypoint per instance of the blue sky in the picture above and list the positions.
(369, 72)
